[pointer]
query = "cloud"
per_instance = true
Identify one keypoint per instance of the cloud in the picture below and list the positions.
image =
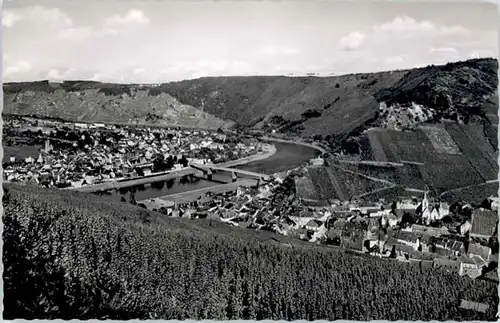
(52, 17)
(76, 34)
(406, 24)
(55, 75)
(20, 67)
(138, 71)
(203, 68)
(104, 32)
(41, 16)
(352, 41)
(275, 50)
(453, 30)
(444, 50)
(133, 16)
(394, 60)
(10, 18)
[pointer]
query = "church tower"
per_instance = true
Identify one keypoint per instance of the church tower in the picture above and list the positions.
(426, 213)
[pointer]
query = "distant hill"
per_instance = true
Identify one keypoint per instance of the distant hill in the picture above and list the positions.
(294, 105)
(305, 105)
(70, 255)
(466, 88)
(102, 102)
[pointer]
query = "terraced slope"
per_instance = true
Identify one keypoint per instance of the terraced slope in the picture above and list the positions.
(444, 157)
(112, 260)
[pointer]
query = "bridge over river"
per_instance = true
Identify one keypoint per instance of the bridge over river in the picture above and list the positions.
(106, 186)
(287, 156)
(209, 168)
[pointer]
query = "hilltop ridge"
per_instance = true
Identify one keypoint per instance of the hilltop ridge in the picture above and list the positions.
(302, 106)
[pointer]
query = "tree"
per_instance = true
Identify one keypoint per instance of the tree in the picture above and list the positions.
(183, 161)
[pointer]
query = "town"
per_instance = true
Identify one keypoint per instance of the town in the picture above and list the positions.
(81, 154)
(422, 231)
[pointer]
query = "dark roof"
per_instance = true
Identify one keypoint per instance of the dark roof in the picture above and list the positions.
(398, 213)
(334, 233)
(443, 252)
(484, 223)
(421, 255)
(427, 264)
(466, 260)
(446, 263)
(457, 245)
(353, 243)
(404, 248)
(406, 236)
(425, 239)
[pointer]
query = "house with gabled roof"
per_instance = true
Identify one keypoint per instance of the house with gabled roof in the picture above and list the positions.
(469, 268)
(484, 224)
(452, 265)
(478, 250)
(407, 238)
(403, 252)
(313, 225)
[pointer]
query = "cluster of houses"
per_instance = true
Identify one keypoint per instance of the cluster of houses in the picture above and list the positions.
(380, 229)
(112, 153)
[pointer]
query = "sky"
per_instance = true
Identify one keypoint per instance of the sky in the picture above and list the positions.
(160, 41)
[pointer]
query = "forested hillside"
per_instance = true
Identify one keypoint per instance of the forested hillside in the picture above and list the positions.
(305, 106)
(71, 255)
(293, 105)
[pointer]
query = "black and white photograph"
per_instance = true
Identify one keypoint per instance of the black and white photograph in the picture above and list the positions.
(250, 160)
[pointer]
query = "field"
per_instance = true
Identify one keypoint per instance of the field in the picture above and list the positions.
(20, 152)
(451, 171)
(389, 145)
(322, 183)
(305, 188)
(365, 148)
(481, 161)
(474, 194)
(446, 156)
(388, 194)
(476, 134)
(353, 184)
(94, 258)
(413, 146)
(377, 150)
(441, 140)
(190, 196)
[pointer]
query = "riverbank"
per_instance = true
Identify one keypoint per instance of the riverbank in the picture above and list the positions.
(296, 142)
(189, 196)
(106, 186)
(269, 150)
(193, 195)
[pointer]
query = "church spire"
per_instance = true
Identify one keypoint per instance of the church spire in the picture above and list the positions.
(426, 214)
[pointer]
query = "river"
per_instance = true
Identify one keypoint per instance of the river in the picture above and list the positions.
(287, 156)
